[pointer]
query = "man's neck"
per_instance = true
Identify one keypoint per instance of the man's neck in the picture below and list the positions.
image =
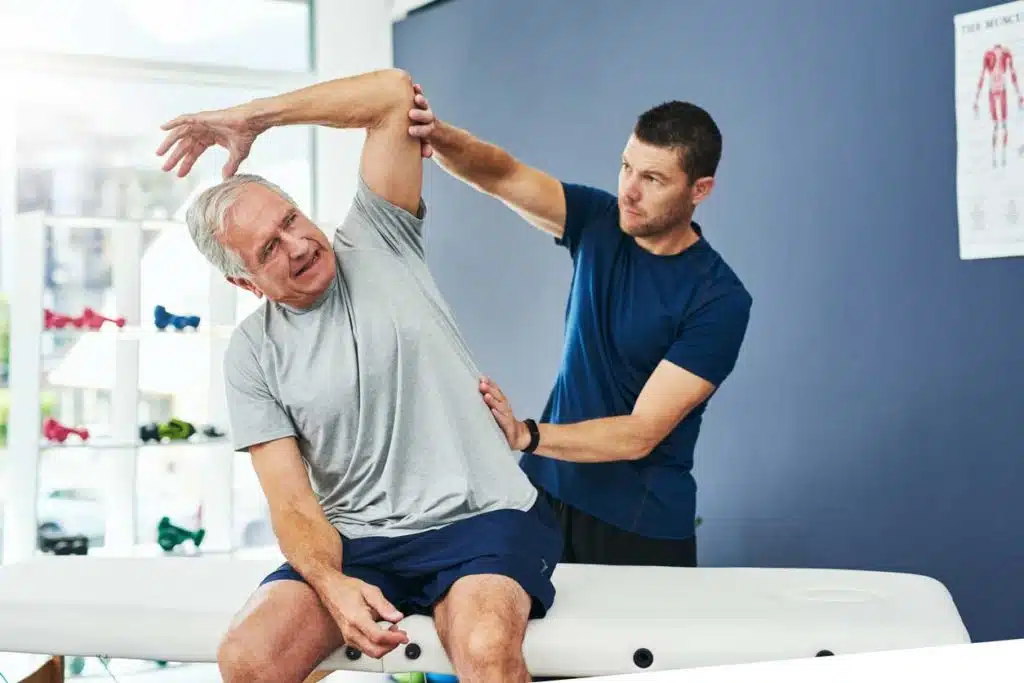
(671, 242)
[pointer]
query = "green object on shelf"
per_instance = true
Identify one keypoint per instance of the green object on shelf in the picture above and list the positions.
(170, 536)
(414, 677)
(174, 429)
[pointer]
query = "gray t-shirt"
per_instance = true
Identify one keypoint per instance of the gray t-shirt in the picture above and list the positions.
(378, 386)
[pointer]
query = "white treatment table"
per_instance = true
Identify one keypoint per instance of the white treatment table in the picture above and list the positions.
(605, 620)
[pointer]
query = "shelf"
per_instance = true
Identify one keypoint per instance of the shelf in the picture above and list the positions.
(187, 372)
(99, 223)
(144, 332)
(106, 443)
(271, 553)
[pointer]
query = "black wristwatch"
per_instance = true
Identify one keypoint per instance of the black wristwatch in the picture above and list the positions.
(531, 426)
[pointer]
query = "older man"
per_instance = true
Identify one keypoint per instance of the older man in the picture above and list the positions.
(391, 488)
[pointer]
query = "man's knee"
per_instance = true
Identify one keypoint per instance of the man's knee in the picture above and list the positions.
(493, 642)
(483, 620)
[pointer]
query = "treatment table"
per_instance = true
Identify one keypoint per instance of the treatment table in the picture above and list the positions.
(605, 620)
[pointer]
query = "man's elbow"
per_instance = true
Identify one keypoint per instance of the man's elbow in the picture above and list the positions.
(395, 86)
(644, 439)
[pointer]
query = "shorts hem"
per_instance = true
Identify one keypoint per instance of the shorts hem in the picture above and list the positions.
(540, 589)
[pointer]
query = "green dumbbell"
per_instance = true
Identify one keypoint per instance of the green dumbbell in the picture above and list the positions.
(170, 536)
(174, 429)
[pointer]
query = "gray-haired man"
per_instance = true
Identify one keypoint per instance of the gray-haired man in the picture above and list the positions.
(391, 488)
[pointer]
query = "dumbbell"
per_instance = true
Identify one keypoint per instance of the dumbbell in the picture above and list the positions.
(94, 321)
(170, 536)
(52, 320)
(162, 318)
(55, 431)
(174, 429)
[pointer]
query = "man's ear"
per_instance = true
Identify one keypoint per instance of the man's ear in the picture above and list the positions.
(247, 285)
(702, 189)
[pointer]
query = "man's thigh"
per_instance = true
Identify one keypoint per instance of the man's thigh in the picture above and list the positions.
(524, 547)
(283, 627)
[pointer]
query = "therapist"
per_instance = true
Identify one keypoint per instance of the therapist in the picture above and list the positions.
(655, 320)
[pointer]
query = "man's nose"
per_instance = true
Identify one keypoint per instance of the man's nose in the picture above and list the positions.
(296, 246)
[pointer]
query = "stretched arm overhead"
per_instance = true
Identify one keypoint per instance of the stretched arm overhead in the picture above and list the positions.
(377, 102)
(530, 192)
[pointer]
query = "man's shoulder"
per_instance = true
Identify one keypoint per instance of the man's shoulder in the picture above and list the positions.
(372, 219)
(591, 203)
(248, 334)
(718, 283)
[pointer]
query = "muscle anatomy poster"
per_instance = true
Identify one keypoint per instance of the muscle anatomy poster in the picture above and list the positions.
(989, 47)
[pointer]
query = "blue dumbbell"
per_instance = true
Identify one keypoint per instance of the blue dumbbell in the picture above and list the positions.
(161, 318)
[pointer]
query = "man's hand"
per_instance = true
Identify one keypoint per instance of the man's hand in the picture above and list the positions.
(423, 120)
(357, 607)
(192, 134)
(516, 433)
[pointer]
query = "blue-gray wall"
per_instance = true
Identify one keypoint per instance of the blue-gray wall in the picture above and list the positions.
(874, 419)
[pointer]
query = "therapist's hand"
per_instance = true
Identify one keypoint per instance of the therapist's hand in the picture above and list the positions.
(422, 121)
(516, 433)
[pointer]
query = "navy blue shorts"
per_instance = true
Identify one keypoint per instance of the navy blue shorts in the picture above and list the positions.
(415, 571)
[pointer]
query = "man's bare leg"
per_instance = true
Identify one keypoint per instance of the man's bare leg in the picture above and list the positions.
(481, 622)
(281, 636)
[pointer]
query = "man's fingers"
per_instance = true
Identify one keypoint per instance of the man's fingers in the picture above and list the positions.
(176, 156)
(421, 132)
(173, 123)
(493, 389)
(193, 154)
(232, 164)
(421, 115)
(375, 599)
(360, 642)
(170, 139)
(370, 638)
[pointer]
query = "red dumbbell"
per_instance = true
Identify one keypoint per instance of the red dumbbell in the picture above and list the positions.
(94, 321)
(55, 431)
(58, 321)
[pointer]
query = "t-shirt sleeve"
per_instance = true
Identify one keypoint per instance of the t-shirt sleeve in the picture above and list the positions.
(583, 205)
(255, 415)
(389, 224)
(709, 341)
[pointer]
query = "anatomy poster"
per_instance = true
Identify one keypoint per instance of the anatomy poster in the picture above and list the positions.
(990, 131)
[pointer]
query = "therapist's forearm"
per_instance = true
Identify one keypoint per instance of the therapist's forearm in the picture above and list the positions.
(608, 439)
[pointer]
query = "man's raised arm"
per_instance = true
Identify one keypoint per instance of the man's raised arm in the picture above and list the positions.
(533, 194)
(377, 102)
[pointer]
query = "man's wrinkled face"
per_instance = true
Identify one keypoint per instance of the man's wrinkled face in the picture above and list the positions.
(288, 258)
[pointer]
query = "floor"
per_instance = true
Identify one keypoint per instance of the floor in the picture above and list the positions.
(14, 666)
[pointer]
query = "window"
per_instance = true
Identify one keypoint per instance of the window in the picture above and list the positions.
(84, 134)
(85, 149)
(255, 34)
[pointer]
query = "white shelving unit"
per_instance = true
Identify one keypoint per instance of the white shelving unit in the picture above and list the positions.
(121, 446)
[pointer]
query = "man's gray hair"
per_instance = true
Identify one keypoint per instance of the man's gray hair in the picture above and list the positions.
(207, 216)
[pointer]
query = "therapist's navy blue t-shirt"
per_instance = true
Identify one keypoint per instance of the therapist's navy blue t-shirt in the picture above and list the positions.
(627, 311)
